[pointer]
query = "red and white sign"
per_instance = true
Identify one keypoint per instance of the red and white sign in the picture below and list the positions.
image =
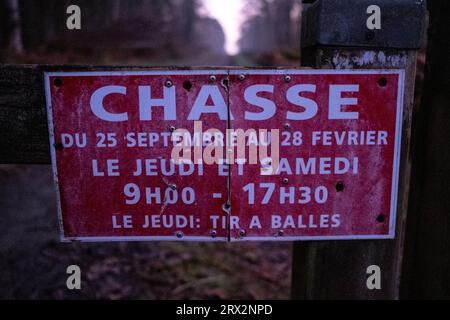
(225, 154)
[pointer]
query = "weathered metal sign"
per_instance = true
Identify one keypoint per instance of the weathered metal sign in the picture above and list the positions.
(226, 154)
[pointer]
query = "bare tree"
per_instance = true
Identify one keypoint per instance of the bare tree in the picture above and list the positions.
(282, 22)
(189, 7)
(15, 33)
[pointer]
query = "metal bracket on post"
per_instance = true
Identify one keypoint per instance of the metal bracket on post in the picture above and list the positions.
(343, 23)
(335, 36)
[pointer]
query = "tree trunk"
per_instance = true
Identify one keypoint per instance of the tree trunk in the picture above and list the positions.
(282, 23)
(15, 43)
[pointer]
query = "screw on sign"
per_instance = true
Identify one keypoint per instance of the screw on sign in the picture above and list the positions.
(221, 155)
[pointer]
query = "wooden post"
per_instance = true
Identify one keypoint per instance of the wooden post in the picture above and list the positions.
(335, 37)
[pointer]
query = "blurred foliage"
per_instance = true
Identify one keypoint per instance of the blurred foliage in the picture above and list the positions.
(147, 32)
